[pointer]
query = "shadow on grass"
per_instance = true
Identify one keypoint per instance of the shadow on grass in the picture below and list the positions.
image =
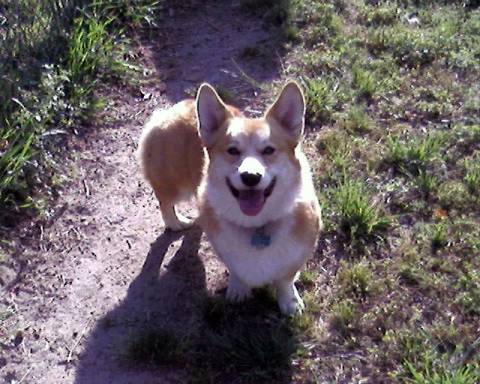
(247, 342)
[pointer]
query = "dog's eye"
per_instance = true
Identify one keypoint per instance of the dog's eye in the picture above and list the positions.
(233, 151)
(268, 150)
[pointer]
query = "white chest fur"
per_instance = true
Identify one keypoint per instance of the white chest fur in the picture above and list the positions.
(254, 265)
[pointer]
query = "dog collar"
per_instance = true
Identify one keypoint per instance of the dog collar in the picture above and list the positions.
(260, 239)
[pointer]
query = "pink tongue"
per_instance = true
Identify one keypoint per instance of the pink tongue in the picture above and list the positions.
(251, 201)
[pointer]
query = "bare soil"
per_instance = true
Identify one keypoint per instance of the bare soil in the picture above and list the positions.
(102, 267)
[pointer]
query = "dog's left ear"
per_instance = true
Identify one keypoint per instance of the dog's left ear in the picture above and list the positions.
(289, 110)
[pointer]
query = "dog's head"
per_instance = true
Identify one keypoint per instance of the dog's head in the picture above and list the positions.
(254, 172)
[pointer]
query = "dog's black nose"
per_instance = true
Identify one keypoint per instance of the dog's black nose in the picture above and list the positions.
(250, 179)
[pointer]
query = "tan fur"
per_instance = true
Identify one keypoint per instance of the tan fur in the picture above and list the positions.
(207, 219)
(307, 223)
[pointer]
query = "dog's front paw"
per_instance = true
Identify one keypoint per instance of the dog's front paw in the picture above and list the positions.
(291, 305)
(237, 291)
(288, 298)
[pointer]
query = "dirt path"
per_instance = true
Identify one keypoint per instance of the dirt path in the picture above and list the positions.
(105, 267)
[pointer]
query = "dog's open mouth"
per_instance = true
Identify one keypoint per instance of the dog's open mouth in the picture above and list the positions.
(251, 201)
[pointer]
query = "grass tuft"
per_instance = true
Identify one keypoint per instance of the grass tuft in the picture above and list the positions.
(345, 317)
(358, 214)
(357, 121)
(364, 81)
(414, 156)
(320, 95)
(154, 346)
(454, 375)
(356, 280)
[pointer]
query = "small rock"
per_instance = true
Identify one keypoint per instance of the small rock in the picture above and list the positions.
(18, 339)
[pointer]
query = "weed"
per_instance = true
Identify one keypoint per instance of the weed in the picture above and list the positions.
(414, 156)
(89, 50)
(472, 174)
(217, 312)
(261, 351)
(326, 24)
(364, 81)
(358, 215)
(409, 47)
(355, 280)
(53, 53)
(439, 236)
(453, 195)
(336, 149)
(427, 183)
(130, 13)
(462, 375)
(383, 14)
(357, 121)
(291, 33)
(154, 346)
(410, 269)
(344, 317)
(320, 95)
(249, 339)
(307, 278)
(468, 297)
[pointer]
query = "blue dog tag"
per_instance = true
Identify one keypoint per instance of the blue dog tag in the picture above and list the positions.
(260, 239)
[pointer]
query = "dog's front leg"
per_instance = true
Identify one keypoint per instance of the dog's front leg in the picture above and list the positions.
(237, 290)
(288, 298)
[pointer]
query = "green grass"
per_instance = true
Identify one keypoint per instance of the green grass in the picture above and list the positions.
(356, 280)
(358, 215)
(413, 157)
(54, 55)
(154, 347)
(472, 174)
(356, 121)
(320, 98)
(364, 81)
(463, 375)
(345, 317)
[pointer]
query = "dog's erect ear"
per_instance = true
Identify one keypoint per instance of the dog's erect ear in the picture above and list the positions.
(289, 110)
(211, 113)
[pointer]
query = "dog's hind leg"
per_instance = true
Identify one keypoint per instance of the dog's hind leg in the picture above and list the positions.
(173, 220)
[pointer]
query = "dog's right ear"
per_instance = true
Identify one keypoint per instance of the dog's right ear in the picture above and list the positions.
(211, 113)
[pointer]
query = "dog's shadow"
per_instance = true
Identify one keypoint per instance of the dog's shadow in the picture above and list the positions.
(248, 342)
(154, 300)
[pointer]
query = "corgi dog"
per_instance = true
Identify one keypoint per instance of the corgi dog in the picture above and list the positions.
(256, 198)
